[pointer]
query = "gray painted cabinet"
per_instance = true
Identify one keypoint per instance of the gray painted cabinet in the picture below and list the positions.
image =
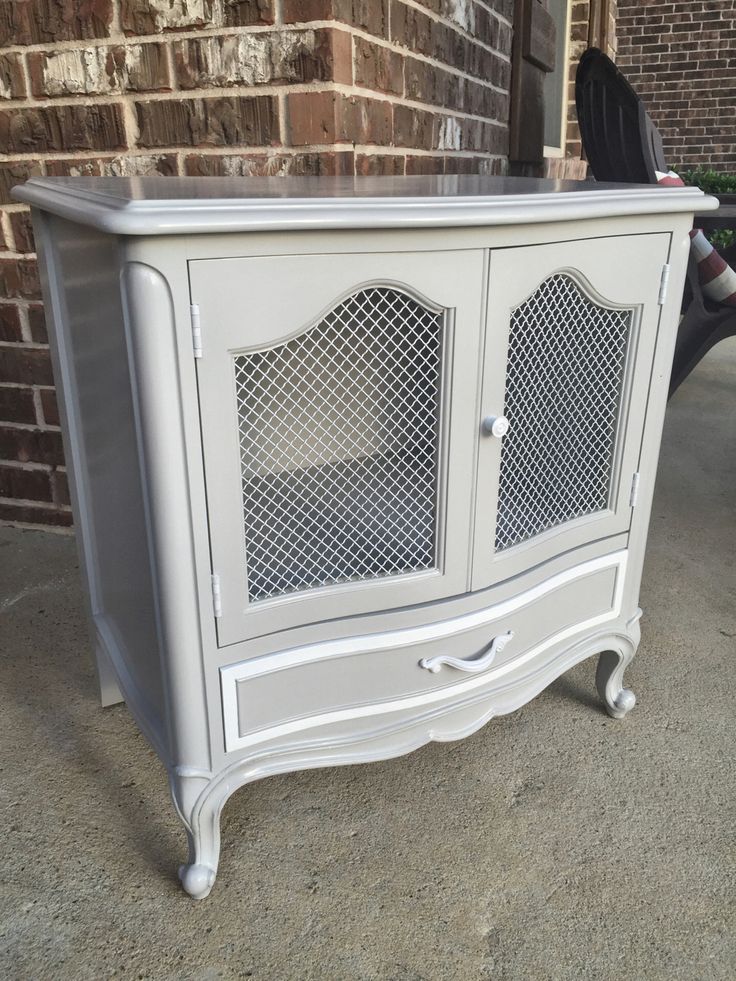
(357, 464)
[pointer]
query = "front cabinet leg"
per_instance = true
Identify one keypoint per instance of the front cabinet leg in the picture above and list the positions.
(609, 677)
(608, 680)
(199, 804)
(198, 875)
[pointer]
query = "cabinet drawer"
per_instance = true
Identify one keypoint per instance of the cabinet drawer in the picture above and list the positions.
(317, 684)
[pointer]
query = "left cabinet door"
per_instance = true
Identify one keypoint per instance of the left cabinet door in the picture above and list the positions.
(338, 402)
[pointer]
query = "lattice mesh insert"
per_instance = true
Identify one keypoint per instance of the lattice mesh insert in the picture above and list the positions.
(339, 433)
(566, 366)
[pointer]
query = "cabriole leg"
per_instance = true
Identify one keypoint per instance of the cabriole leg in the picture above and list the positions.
(609, 682)
(198, 875)
(202, 821)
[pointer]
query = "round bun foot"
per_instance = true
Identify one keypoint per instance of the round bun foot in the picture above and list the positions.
(197, 880)
(623, 703)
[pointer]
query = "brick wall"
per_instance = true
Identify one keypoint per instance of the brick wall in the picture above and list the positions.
(234, 87)
(680, 58)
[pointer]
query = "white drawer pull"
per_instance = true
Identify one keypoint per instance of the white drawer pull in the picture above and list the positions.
(472, 666)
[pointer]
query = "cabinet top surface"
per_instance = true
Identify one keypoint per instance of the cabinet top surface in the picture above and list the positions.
(178, 205)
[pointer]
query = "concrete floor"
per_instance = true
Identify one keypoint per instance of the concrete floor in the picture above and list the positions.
(555, 843)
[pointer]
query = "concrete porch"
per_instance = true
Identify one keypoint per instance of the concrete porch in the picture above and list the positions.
(555, 843)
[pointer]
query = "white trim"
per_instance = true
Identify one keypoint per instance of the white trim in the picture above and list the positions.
(405, 637)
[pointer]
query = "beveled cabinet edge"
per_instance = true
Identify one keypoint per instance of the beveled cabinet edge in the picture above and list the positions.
(388, 204)
(403, 637)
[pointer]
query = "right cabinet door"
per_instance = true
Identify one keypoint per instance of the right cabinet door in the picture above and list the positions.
(570, 336)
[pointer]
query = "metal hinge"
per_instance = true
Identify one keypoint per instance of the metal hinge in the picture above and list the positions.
(663, 281)
(196, 330)
(633, 496)
(216, 596)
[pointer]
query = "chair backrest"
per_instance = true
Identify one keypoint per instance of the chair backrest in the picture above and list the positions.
(620, 141)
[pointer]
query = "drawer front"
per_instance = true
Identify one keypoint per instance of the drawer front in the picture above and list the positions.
(314, 685)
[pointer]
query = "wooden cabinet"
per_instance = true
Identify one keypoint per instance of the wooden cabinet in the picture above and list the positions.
(357, 464)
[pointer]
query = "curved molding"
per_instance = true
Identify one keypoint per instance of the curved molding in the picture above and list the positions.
(315, 323)
(397, 737)
(587, 291)
(394, 639)
(135, 206)
(150, 327)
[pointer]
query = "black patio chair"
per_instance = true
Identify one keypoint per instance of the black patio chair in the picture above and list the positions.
(621, 143)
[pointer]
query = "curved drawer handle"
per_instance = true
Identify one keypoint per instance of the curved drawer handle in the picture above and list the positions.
(472, 666)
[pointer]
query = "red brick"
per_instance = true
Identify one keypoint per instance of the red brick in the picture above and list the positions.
(379, 164)
(249, 121)
(44, 21)
(269, 164)
(28, 515)
(370, 16)
(158, 164)
(99, 70)
(79, 167)
(25, 366)
(416, 31)
(60, 487)
(362, 120)
(12, 82)
(425, 165)
(263, 58)
(144, 17)
(304, 11)
(312, 118)
(50, 407)
(31, 446)
(19, 279)
(413, 128)
(330, 117)
(242, 13)
(378, 68)
(10, 329)
(16, 173)
(20, 222)
(37, 322)
(17, 405)
(469, 165)
(65, 128)
(25, 485)
(427, 83)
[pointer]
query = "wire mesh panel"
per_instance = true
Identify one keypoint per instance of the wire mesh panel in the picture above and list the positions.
(566, 364)
(339, 432)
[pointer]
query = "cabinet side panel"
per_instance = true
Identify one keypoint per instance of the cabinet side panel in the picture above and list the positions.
(82, 289)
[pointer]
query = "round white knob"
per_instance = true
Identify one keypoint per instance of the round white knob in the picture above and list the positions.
(496, 426)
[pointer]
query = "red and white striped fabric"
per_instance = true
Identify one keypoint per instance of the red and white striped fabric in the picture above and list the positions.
(717, 279)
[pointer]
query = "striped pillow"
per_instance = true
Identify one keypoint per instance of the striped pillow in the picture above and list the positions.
(717, 279)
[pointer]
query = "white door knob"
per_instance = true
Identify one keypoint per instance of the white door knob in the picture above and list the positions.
(496, 426)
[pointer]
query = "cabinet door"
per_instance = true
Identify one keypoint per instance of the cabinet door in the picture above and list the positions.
(338, 400)
(570, 336)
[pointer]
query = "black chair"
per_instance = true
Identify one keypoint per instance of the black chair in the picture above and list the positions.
(621, 143)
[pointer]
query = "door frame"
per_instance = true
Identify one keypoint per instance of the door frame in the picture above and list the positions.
(239, 312)
(651, 251)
